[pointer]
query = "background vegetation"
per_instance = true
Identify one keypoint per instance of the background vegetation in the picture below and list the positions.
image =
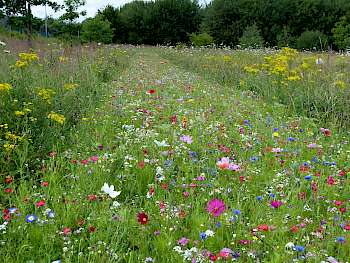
(302, 24)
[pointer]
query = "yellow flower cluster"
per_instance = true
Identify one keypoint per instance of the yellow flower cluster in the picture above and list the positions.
(340, 84)
(46, 94)
(5, 87)
(253, 69)
(227, 58)
(25, 59)
(12, 139)
(70, 86)
(59, 118)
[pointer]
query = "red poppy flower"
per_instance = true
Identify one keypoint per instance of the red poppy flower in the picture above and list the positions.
(142, 218)
(44, 184)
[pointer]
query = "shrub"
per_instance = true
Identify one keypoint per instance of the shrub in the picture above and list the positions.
(251, 38)
(200, 40)
(97, 30)
(341, 34)
(312, 40)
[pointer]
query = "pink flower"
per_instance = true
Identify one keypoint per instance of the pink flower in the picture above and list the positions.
(216, 207)
(66, 231)
(276, 204)
(94, 159)
(183, 241)
(276, 150)
(225, 253)
(224, 163)
(40, 203)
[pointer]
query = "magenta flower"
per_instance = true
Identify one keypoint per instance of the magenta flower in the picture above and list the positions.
(276, 204)
(216, 207)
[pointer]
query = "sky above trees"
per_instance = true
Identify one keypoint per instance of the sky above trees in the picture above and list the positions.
(91, 7)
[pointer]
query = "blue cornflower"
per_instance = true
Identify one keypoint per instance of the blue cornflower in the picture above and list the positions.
(203, 236)
(254, 158)
(272, 195)
(237, 212)
(50, 214)
(12, 210)
(308, 177)
(275, 129)
(299, 248)
(31, 218)
(218, 224)
(341, 240)
(259, 198)
(291, 139)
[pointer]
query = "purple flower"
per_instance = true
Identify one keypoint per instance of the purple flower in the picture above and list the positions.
(276, 204)
(186, 138)
(183, 241)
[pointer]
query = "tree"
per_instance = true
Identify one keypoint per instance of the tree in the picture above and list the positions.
(97, 30)
(341, 34)
(71, 14)
(24, 8)
(251, 38)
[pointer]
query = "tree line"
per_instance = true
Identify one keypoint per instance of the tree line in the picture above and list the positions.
(303, 24)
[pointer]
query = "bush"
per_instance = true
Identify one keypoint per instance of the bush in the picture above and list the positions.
(251, 38)
(200, 40)
(97, 30)
(341, 34)
(312, 40)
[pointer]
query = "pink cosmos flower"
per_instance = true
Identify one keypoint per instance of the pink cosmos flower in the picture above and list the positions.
(216, 207)
(225, 164)
(276, 204)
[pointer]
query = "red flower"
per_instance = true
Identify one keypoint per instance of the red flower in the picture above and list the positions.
(151, 91)
(40, 203)
(142, 218)
(263, 227)
(44, 184)
(347, 227)
(338, 203)
(294, 229)
(92, 197)
(8, 190)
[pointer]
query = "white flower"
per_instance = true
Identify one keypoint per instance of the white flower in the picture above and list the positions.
(289, 245)
(210, 233)
(161, 144)
(110, 190)
(116, 204)
(2, 43)
(319, 61)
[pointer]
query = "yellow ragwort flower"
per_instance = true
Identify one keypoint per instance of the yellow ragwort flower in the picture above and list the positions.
(59, 118)
(5, 87)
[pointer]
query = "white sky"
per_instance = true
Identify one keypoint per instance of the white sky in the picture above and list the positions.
(91, 7)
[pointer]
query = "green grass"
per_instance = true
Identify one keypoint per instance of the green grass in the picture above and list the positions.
(130, 100)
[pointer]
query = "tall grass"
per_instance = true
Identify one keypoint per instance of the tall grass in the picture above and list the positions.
(313, 85)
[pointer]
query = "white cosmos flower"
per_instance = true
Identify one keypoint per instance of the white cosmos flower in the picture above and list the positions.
(110, 190)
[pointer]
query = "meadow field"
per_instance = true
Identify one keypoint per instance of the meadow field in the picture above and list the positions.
(158, 154)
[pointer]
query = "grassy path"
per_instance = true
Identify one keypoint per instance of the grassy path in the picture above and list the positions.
(157, 139)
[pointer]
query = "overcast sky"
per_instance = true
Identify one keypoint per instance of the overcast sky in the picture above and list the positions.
(91, 7)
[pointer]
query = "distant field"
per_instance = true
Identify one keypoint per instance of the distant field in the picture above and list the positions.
(141, 154)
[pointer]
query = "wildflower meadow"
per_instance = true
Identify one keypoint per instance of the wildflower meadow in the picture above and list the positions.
(144, 154)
